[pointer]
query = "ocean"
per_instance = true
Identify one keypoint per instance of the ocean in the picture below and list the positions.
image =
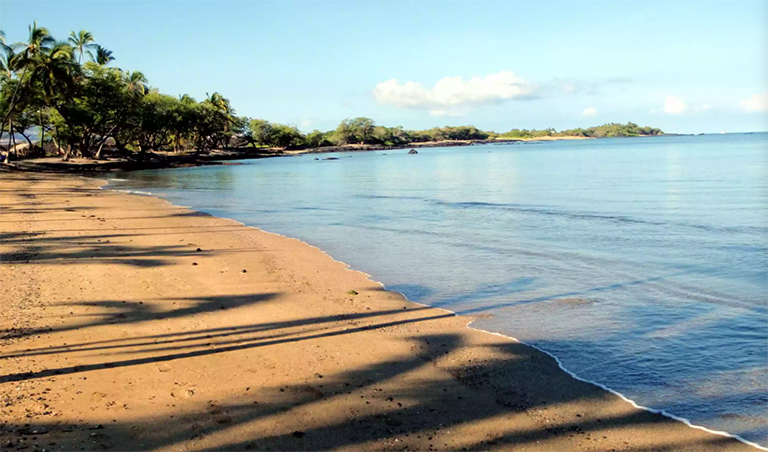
(641, 264)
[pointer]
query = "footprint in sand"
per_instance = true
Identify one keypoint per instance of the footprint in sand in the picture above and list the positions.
(182, 393)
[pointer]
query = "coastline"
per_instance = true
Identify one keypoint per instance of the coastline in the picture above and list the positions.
(428, 144)
(221, 157)
(491, 391)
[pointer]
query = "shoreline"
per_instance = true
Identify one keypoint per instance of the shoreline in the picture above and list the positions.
(81, 166)
(470, 321)
(477, 366)
(429, 144)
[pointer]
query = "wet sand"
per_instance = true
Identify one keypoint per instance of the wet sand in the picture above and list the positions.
(132, 324)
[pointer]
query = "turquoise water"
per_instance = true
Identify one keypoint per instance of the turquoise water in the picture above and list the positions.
(641, 263)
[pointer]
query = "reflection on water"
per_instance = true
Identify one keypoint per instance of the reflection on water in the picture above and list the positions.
(641, 263)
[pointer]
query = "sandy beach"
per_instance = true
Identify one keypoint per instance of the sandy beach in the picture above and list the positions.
(132, 324)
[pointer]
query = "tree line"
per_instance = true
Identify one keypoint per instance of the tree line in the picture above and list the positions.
(71, 95)
(629, 129)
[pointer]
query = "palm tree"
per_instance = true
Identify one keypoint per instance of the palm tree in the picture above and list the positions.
(103, 56)
(39, 41)
(187, 99)
(8, 61)
(82, 42)
(7, 58)
(54, 69)
(220, 103)
(136, 82)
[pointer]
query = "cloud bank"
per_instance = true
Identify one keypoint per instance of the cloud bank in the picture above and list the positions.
(454, 96)
(591, 111)
(756, 103)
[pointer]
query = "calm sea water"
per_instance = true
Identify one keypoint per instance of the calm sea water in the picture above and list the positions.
(641, 263)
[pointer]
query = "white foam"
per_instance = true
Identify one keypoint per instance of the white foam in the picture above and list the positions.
(133, 192)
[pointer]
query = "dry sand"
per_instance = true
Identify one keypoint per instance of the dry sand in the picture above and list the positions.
(132, 324)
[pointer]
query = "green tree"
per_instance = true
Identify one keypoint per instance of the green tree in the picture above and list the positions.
(357, 130)
(316, 139)
(262, 132)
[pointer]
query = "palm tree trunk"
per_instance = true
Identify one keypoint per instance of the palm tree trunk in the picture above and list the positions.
(98, 153)
(104, 140)
(57, 143)
(42, 132)
(10, 134)
(13, 138)
(31, 146)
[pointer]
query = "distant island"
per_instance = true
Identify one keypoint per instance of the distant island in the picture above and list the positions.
(63, 98)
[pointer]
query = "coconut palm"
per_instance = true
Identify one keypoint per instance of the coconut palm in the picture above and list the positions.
(187, 99)
(220, 103)
(136, 82)
(8, 60)
(103, 56)
(5, 60)
(54, 69)
(39, 41)
(83, 42)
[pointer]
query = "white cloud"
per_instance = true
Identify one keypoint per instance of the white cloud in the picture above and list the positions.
(675, 106)
(756, 103)
(591, 111)
(454, 95)
(452, 113)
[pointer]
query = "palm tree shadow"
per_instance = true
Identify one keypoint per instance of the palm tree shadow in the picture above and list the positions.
(392, 405)
(130, 312)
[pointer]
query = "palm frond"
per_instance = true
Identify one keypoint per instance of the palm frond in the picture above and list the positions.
(103, 56)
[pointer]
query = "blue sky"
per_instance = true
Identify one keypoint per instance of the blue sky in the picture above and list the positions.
(686, 67)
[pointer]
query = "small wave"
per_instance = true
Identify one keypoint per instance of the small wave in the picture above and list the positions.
(390, 197)
(133, 192)
(592, 216)
(542, 210)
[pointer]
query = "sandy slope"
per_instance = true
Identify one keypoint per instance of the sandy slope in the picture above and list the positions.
(131, 324)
